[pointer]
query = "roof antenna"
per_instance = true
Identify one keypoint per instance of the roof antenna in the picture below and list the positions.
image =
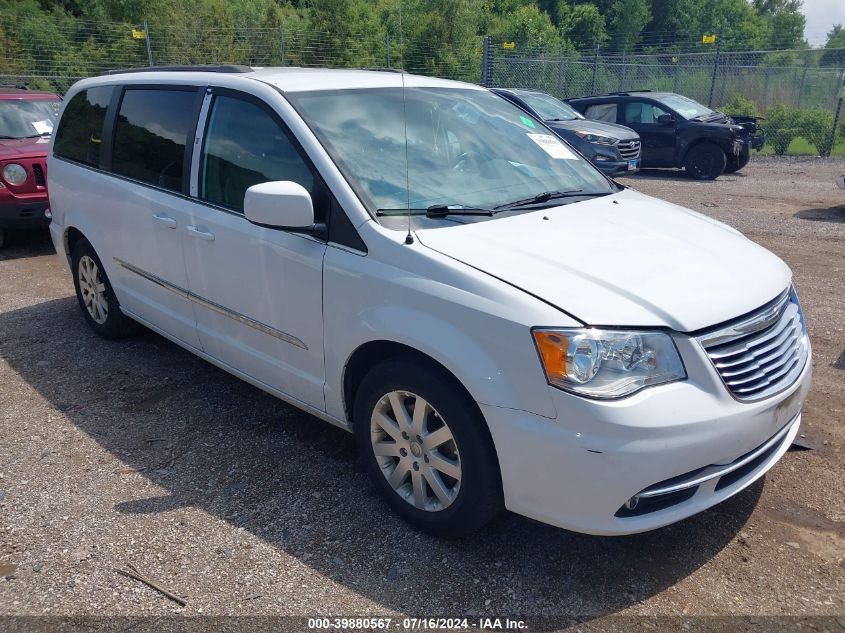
(409, 238)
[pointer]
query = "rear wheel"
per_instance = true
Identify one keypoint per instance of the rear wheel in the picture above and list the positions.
(95, 295)
(705, 162)
(735, 163)
(427, 449)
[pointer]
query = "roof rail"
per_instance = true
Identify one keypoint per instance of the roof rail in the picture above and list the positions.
(381, 69)
(200, 68)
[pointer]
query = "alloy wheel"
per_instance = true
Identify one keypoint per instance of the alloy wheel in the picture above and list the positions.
(93, 290)
(416, 451)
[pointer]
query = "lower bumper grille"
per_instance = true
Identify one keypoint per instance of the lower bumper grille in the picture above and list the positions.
(763, 353)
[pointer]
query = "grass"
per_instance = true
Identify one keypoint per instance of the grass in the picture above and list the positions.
(800, 147)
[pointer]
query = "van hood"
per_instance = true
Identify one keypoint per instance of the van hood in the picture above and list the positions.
(622, 260)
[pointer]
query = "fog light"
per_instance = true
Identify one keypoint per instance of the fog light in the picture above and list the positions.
(602, 158)
(632, 503)
(48, 214)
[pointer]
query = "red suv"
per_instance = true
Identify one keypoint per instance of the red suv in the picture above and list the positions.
(26, 122)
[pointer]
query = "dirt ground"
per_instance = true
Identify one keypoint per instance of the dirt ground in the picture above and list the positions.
(136, 452)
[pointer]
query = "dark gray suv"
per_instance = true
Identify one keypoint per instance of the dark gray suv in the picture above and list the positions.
(615, 149)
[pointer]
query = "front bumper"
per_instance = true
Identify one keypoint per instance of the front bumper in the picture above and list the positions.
(578, 471)
(23, 214)
(757, 142)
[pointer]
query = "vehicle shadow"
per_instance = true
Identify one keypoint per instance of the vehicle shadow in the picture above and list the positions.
(19, 244)
(214, 442)
(831, 214)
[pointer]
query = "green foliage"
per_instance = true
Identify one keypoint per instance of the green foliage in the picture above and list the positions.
(740, 105)
(781, 126)
(834, 54)
(582, 24)
(817, 128)
(628, 18)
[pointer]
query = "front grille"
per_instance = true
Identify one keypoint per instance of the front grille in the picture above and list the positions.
(761, 354)
(38, 171)
(629, 149)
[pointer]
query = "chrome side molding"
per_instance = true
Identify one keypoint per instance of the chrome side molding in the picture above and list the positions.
(211, 305)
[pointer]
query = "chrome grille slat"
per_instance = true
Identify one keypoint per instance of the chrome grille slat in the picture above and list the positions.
(629, 149)
(787, 333)
(748, 341)
(762, 354)
(783, 349)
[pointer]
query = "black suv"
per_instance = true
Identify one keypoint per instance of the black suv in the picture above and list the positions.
(677, 131)
(612, 148)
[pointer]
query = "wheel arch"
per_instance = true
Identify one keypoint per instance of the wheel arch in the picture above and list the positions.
(697, 143)
(375, 352)
(72, 235)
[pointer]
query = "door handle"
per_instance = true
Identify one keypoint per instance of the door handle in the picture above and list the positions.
(197, 232)
(163, 218)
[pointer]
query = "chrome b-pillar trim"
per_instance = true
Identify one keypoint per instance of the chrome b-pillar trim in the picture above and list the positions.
(215, 307)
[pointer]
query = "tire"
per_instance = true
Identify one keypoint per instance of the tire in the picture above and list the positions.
(735, 163)
(96, 296)
(469, 484)
(2, 237)
(705, 161)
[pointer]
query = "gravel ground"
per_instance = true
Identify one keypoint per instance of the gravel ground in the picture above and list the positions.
(138, 452)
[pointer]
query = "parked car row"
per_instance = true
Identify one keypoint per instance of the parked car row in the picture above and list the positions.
(427, 265)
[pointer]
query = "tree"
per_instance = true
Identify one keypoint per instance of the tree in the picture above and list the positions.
(834, 54)
(627, 20)
(582, 24)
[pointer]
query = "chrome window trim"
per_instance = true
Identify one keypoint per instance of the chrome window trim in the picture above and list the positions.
(215, 307)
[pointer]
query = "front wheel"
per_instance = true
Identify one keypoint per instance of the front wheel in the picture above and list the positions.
(735, 163)
(95, 294)
(427, 449)
(705, 162)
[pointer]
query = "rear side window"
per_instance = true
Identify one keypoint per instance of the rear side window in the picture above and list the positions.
(150, 135)
(602, 112)
(641, 112)
(244, 146)
(80, 133)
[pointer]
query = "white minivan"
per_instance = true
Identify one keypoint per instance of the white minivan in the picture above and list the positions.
(422, 263)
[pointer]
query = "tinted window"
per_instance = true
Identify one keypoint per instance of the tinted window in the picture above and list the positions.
(602, 112)
(150, 135)
(245, 146)
(641, 112)
(80, 133)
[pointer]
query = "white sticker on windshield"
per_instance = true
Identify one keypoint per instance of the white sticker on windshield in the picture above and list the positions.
(552, 146)
(43, 127)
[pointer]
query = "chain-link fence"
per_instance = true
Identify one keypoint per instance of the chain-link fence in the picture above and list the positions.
(799, 92)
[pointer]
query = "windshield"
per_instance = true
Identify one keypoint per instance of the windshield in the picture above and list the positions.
(549, 108)
(26, 119)
(465, 148)
(685, 106)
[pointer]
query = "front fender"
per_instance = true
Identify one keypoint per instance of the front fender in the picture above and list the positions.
(471, 335)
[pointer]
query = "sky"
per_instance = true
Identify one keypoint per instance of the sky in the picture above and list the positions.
(821, 16)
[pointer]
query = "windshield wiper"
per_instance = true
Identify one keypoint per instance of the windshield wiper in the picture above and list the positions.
(436, 211)
(543, 197)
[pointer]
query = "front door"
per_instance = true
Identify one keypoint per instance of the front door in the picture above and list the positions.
(658, 139)
(257, 291)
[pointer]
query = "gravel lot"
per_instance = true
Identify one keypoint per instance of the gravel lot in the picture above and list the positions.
(138, 452)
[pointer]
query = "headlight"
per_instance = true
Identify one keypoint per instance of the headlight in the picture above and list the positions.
(607, 363)
(14, 174)
(596, 138)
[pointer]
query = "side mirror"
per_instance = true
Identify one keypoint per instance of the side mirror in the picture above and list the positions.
(666, 119)
(280, 204)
